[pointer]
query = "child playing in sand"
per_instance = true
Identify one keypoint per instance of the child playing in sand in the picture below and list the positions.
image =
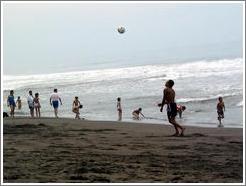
(37, 105)
(136, 114)
(11, 103)
(119, 109)
(18, 103)
(76, 106)
(220, 110)
(180, 110)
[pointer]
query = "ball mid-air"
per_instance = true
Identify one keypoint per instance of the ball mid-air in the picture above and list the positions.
(121, 30)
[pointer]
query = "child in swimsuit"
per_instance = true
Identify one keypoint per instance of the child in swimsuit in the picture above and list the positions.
(76, 106)
(37, 105)
(180, 110)
(119, 109)
(136, 114)
(18, 103)
(11, 103)
(220, 110)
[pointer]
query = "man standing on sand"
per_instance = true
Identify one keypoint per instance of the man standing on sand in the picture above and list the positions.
(54, 100)
(168, 98)
(30, 103)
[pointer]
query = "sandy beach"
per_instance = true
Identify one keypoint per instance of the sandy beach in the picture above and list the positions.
(71, 151)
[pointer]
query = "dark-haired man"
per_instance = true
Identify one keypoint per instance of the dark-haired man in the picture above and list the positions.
(169, 100)
(54, 100)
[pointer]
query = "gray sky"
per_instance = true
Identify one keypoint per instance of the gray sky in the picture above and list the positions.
(45, 38)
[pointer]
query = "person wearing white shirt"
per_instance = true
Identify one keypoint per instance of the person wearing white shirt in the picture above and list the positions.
(54, 100)
(30, 103)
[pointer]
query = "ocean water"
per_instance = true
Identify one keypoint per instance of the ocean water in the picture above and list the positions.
(198, 84)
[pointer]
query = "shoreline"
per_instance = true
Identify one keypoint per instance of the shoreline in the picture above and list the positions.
(165, 122)
(50, 150)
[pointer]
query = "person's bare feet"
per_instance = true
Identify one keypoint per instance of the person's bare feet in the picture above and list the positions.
(182, 132)
(175, 134)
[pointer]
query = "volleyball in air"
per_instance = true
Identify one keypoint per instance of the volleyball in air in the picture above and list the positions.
(121, 30)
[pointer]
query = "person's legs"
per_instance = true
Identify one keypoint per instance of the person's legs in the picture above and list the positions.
(38, 112)
(55, 105)
(31, 111)
(180, 114)
(176, 126)
(77, 114)
(172, 112)
(12, 110)
(220, 123)
(120, 115)
(56, 112)
(135, 116)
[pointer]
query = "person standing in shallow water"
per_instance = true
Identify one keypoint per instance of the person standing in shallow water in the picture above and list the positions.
(11, 103)
(30, 103)
(220, 110)
(18, 103)
(119, 109)
(169, 100)
(37, 105)
(54, 100)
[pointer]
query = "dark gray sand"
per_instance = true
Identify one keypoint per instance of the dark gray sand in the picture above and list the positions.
(67, 150)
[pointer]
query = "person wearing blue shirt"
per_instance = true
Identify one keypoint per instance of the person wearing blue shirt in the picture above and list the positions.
(11, 103)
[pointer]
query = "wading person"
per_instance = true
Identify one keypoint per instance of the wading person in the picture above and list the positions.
(54, 101)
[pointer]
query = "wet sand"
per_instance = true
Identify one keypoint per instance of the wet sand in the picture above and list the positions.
(70, 151)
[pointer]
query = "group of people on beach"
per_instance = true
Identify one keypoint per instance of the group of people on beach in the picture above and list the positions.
(172, 108)
(168, 99)
(34, 105)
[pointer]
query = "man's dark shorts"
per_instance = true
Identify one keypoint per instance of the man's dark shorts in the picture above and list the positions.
(171, 110)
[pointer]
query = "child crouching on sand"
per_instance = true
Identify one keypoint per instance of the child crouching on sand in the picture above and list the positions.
(76, 106)
(220, 110)
(136, 114)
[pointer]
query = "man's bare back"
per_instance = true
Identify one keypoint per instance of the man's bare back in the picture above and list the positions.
(169, 95)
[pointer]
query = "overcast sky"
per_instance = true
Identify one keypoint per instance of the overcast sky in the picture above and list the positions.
(40, 38)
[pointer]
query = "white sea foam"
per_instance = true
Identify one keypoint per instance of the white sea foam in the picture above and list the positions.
(240, 104)
(199, 69)
(213, 97)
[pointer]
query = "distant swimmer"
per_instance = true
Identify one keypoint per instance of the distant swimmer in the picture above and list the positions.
(18, 103)
(119, 109)
(136, 114)
(168, 98)
(54, 101)
(11, 103)
(220, 110)
(180, 110)
(76, 106)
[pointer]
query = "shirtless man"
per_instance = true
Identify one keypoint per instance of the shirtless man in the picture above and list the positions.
(168, 98)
